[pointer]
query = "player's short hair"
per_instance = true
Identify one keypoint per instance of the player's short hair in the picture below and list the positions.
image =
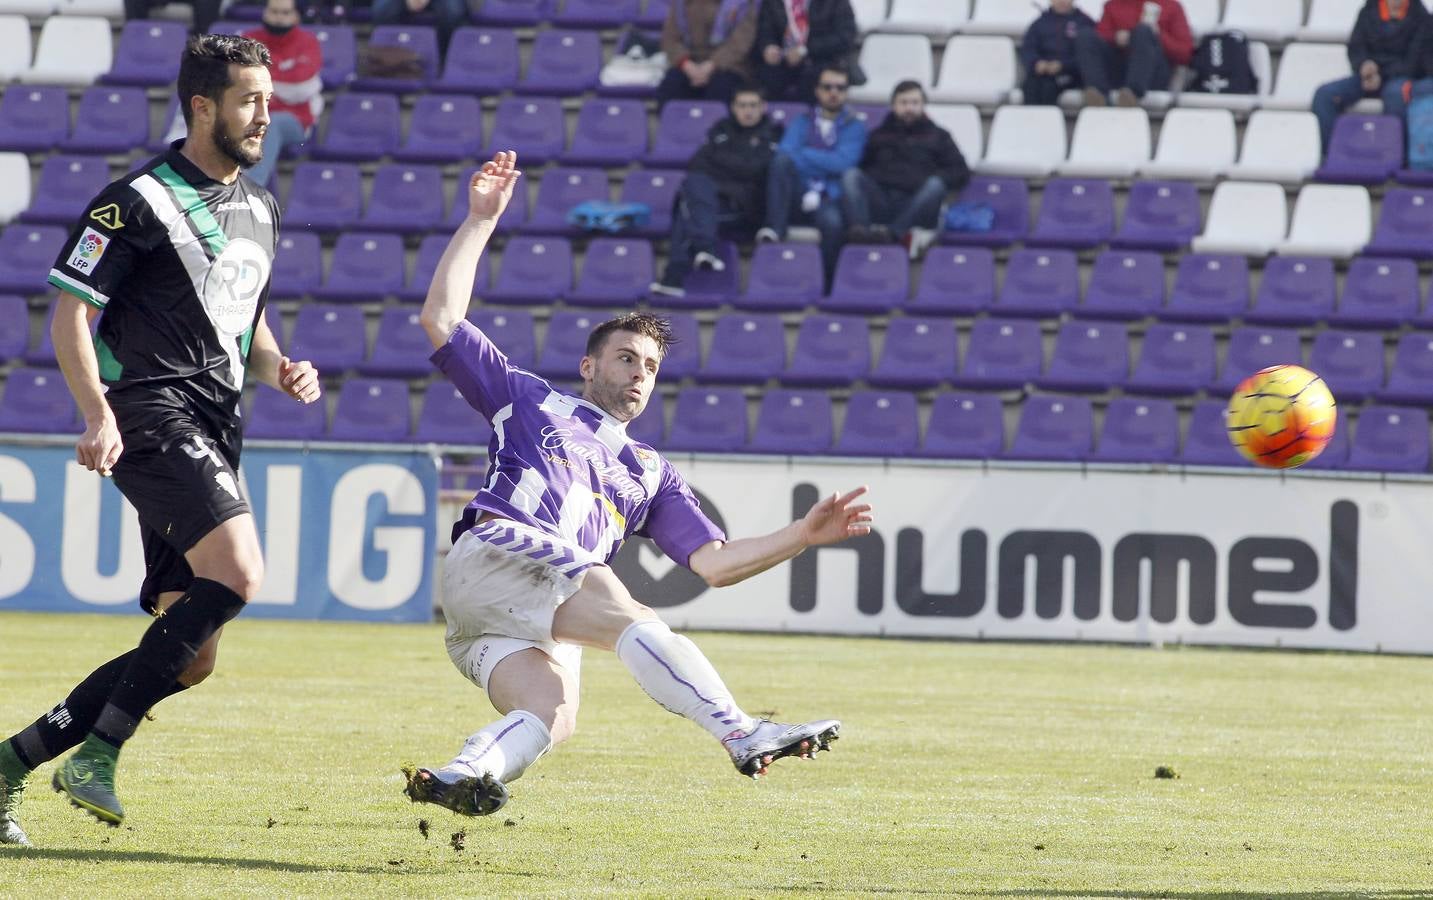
(204, 68)
(646, 324)
(905, 87)
(749, 87)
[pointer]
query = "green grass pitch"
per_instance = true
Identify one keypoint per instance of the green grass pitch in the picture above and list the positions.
(964, 769)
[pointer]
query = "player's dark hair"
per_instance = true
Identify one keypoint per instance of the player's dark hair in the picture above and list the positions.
(646, 324)
(906, 86)
(204, 68)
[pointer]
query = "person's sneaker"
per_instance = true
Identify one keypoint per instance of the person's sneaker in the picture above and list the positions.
(767, 236)
(478, 796)
(10, 830)
(1126, 98)
(87, 779)
(666, 290)
(708, 262)
(752, 751)
(1095, 97)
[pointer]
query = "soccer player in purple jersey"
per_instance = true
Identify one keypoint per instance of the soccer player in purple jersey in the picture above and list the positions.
(527, 583)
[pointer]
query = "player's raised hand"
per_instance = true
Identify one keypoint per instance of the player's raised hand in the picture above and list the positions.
(492, 186)
(836, 518)
(299, 380)
(98, 449)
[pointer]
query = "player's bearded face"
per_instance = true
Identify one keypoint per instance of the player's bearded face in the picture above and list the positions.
(241, 119)
(621, 376)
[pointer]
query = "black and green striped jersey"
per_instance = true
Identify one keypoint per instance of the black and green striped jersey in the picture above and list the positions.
(180, 265)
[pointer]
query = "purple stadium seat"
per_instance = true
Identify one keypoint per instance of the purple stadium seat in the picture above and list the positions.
(610, 132)
(446, 418)
(481, 61)
(615, 272)
(371, 409)
(956, 281)
(1294, 290)
(340, 55)
(708, 290)
(783, 277)
(1138, 430)
(401, 347)
(1363, 150)
(831, 351)
(513, 218)
(1010, 200)
(918, 353)
(684, 355)
(406, 198)
(1405, 225)
(1254, 347)
(1335, 453)
(533, 270)
(1390, 439)
(1159, 215)
(361, 127)
(562, 63)
(443, 128)
(533, 126)
(43, 353)
(1089, 356)
(331, 337)
(658, 189)
(793, 422)
(110, 120)
(654, 13)
(1208, 288)
(515, 12)
(566, 343)
(682, 128)
(323, 196)
(1351, 362)
(873, 114)
(558, 192)
(1039, 283)
(1174, 359)
(512, 331)
(880, 423)
(231, 26)
(426, 263)
(1125, 285)
(745, 349)
(709, 419)
(363, 267)
(26, 254)
(275, 416)
(38, 401)
(1054, 428)
(419, 39)
(1378, 293)
(1410, 380)
(14, 327)
(1003, 353)
(965, 426)
(298, 266)
(1207, 442)
(869, 279)
(1074, 212)
(785, 111)
(147, 54)
(33, 118)
(596, 13)
(650, 427)
(67, 185)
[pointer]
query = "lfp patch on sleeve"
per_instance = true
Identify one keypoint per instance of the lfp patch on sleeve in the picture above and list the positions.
(88, 250)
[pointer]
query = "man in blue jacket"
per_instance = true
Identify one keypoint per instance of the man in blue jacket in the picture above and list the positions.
(1048, 52)
(805, 177)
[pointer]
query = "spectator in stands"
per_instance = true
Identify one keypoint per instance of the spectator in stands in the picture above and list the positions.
(724, 187)
(795, 39)
(206, 12)
(1381, 52)
(1048, 52)
(910, 165)
(708, 43)
(805, 177)
(449, 14)
(298, 89)
(1135, 48)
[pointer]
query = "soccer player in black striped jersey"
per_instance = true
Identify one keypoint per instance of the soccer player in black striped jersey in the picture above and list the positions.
(176, 256)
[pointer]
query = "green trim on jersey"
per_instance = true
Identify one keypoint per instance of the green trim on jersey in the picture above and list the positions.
(195, 208)
(246, 339)
(110, 368)
(78, 289)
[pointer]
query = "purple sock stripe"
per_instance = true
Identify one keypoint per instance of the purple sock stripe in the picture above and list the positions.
(675, 676)
(494, 742)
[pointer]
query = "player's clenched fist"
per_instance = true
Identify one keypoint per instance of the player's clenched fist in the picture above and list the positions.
(299, 380)
(99, 447)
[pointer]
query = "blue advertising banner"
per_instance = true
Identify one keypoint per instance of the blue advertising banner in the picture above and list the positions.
(346, 534)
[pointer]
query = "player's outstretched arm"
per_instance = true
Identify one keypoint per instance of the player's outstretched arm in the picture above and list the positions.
(452, 288)
(297, 379)
(100, 446)
(835, 518)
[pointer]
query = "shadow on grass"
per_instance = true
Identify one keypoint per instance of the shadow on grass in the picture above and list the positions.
(228, 862)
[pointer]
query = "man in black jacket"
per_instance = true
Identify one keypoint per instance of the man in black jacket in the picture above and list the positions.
(909, 167)
(724, 187)
(795, 39)
(1048, 52)
(1380, 52)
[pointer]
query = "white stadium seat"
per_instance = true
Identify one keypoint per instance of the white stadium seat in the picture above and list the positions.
(1264, 20)
(1194, 144)
(14, 46)
(14, 185)
(1279, 145)
(1025, 142)
(937, 18)
(1261, 62)
(37, 10)
(1302, 68)
(963, 123)
(1330, 20)
(1109, 142)
(1092, 8)
(1203, 16)
(976, 69)
(1244, 218)
(1330, 220)
(74, 50)
(109, 9)
(1007, 17)
(869, 14)
(889, 59)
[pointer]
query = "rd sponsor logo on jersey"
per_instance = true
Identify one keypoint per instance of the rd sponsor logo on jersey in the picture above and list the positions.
(87, 252)
(231, 292)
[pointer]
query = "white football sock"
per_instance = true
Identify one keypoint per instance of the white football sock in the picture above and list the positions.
(503, 749)
(674, 672)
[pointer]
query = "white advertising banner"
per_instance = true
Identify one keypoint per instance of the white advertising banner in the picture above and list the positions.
(1071, 554)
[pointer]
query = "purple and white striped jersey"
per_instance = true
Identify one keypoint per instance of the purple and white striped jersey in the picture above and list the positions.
(560, 464)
